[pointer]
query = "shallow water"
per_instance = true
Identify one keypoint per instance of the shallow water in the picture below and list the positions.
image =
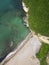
(12, 29)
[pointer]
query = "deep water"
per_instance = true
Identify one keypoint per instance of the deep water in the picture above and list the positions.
(12, 29)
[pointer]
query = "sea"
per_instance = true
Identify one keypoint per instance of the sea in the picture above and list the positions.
(12, 28)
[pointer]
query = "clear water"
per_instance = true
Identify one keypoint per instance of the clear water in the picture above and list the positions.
(12, 29)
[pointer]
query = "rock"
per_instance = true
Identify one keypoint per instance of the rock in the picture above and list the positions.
(24, 7)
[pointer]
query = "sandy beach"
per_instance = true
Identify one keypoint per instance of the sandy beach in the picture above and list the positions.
(26, 55)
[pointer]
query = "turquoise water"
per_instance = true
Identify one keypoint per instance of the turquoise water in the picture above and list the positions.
(12, 29)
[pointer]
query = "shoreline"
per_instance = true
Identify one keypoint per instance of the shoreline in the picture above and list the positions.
(26, 17)
(13, 52)
(10, 55)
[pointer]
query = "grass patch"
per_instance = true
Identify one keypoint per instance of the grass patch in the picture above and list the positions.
(38, 16)
(39, 22)
(43, 53)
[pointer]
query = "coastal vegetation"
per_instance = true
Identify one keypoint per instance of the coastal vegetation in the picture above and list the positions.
(38, 19)
(43, 54)
(38, 16)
